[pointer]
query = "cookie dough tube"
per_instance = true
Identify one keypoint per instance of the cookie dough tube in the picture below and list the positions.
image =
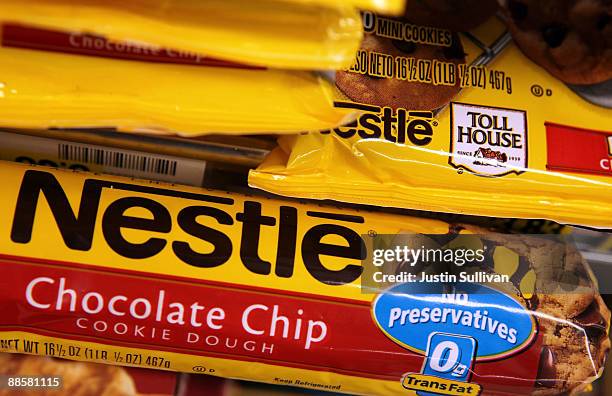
(134, 273)
(498, 142)
(40, 89)
(271, 33)
(325, 167)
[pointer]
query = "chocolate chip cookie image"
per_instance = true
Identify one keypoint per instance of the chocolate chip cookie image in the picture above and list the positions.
(571, 39)
(457, 15)
(553, 280)
(78, 378)
(399, 93)
(549, 277)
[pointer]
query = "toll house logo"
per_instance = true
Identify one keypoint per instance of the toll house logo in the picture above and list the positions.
(488, 141)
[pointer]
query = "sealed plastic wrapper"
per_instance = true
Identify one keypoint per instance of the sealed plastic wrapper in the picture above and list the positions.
(44, 85)
(144, 274)
(274, 33)
(386, 7)
(467, 123)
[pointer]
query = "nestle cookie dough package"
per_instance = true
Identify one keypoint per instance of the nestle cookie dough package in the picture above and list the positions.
(144, 274)
(471, 109)
(271, 33)
(53, 79)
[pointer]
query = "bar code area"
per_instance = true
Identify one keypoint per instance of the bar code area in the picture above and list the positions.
(117, 159)
(112, 159)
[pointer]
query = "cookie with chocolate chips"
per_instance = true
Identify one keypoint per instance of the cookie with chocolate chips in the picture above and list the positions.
(571, 39)
(550, 278)
(457, 15)
(553, 280)
(402, 93)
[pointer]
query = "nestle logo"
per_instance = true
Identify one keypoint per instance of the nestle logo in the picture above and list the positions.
(399, 126)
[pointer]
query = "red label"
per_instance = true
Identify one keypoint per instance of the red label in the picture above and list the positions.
(198, 385)
(572, 149)
(236, 322)
(91, 45)
(153, 382)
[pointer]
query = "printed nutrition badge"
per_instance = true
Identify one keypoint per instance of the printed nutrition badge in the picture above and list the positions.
(454, 327)
(447, 367)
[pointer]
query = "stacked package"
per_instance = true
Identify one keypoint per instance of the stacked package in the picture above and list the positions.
(397, 221)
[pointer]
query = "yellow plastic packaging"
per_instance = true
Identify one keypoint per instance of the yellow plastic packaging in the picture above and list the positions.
(386, 7)
(274, 33)
(40, 89)
(145, 274)
(514, 142)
